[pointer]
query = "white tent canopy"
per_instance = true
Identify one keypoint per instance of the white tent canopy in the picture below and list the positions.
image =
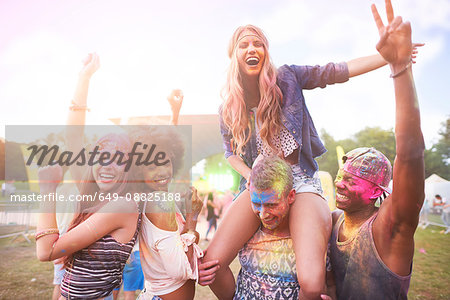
(436, 185)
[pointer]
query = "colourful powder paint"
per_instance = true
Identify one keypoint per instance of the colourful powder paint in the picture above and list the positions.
(269, 207)
(351, 189)
(264, 197)
(280, 183)
(268, 268)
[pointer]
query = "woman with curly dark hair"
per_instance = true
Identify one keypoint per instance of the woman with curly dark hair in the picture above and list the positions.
(167, 241)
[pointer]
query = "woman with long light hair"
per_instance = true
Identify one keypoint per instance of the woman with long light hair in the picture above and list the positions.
(104, 229)
(264, 113)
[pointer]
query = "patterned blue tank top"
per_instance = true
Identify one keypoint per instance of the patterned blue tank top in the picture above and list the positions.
(268, 269)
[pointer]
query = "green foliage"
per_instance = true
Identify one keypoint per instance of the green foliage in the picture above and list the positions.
(437, 158)
(382, 140)
(2, 159)
(16, 165)
(217, 164)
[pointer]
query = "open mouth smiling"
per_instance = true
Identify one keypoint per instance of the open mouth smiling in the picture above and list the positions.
(341, 198)
(106, 177)
(161, 181)
(252, 61)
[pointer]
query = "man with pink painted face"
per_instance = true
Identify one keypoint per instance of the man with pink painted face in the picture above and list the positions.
(268, 258)
(371, 248)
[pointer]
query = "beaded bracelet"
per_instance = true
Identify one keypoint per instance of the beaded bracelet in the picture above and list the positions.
(46, 232)
(402, 71)
(76, 107)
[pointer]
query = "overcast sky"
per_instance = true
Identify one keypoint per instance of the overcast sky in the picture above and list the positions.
(148, 48)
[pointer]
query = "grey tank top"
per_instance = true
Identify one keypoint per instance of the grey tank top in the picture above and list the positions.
(359, 271)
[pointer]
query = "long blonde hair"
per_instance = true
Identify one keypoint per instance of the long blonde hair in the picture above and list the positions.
(234, 109)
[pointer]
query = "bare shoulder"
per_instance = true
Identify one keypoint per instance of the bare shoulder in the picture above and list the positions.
(120, 205)
(163, 220)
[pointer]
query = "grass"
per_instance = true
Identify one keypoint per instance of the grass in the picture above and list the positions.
(431, 267)
(22, 276)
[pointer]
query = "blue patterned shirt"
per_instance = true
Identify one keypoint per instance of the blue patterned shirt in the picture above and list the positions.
(268, 269)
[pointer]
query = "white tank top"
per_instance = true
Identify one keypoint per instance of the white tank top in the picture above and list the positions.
(164, 262)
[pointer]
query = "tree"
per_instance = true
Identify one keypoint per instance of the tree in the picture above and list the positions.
(437, 158)
(328, 161)
(382, 140)
(2, 159)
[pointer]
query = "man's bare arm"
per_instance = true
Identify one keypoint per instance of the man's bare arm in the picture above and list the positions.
(398, 217)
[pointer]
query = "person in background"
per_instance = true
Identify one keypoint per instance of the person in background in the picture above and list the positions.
(211, 207)
(438, 204)
(445, 216)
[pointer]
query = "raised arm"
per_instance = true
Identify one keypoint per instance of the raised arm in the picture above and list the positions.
(77, 112)
(369, 63)
(176, 101)
(78, 109)
(365, 64)
(399, 215)
(396, 47)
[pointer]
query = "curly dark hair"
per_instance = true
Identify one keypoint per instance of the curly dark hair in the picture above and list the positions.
(164, 137)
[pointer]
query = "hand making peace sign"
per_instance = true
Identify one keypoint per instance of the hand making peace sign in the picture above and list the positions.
(395, 38)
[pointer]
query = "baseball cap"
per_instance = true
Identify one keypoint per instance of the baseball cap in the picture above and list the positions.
(369, 164)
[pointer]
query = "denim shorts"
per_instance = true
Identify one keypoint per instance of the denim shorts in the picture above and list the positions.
(58, 273)
(146, 295)
(304, 183)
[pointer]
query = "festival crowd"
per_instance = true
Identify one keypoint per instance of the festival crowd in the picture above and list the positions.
(289, 244)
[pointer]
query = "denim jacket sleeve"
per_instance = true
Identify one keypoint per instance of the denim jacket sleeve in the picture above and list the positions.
(310, 77)
(226, 136)
(295, 115)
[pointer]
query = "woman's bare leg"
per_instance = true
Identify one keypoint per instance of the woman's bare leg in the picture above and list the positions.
(237, 227)
(310, 227)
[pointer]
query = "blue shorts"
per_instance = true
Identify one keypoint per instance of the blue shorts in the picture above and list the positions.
(58, 273)
(133, 278)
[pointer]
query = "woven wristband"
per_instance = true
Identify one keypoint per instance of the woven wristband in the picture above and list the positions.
(402, 71)
(76, 107)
